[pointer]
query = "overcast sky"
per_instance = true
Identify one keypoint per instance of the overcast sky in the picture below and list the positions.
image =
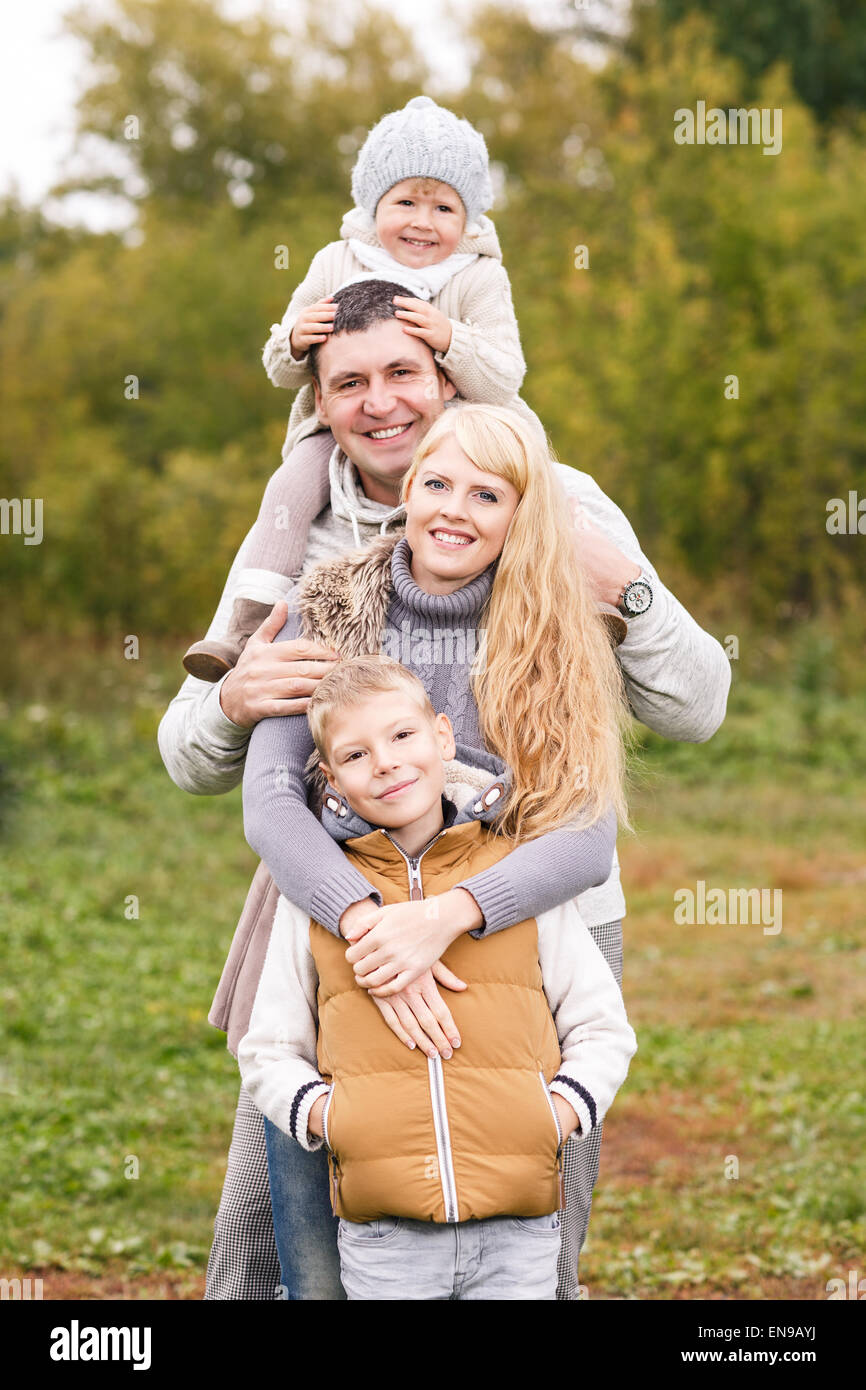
(41, 72)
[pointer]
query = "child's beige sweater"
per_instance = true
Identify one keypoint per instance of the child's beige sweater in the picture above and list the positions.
(484, 361)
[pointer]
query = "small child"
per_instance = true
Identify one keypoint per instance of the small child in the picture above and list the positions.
(445, 1177)
(421, 183)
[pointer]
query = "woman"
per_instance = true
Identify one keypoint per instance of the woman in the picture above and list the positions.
(486, 566)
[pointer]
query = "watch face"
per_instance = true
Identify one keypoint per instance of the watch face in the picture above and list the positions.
(638, 597)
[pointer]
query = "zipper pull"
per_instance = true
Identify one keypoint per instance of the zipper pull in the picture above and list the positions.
(415, 890)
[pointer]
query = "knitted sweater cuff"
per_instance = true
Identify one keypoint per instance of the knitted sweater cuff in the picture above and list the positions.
(579, 1099)
(332, 897)
(308, 1141)
(495, 896)
(489, 377)
(282, 368)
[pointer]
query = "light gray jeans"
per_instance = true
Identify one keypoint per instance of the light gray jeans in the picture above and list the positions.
(505, 1257)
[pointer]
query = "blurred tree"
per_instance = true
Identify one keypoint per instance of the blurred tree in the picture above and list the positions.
(822, 41)
(193, 109)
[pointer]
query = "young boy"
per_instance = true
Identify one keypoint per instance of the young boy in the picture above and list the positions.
(445, 1177)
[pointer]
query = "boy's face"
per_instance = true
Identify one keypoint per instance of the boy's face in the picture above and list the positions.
(385, 757)
(420, 221)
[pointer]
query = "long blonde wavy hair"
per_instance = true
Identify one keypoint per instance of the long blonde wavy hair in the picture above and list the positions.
(547, 685)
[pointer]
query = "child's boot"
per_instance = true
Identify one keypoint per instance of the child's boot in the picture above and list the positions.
(210, 659)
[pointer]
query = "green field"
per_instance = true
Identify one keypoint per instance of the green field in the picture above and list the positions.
(751, 1045)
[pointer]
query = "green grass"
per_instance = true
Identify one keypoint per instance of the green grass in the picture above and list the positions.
(750, 1046)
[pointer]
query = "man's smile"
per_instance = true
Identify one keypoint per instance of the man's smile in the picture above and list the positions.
(390, 432)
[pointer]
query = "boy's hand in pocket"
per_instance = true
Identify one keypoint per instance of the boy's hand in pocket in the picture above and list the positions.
(568, 1121)
(314, 1119)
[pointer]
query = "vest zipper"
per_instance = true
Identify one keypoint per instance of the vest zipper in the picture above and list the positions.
(325, 1117)
(549, 1094)
(549, 1097)
(443, 1136)
(435, 1074)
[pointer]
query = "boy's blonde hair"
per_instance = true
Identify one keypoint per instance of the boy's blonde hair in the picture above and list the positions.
(548, 687)
(353, 681)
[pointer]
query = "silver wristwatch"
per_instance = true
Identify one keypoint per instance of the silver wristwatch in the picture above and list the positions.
(636, 597)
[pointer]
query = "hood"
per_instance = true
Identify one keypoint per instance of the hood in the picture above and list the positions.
(475, 783)
(478, 239)
(350, 502)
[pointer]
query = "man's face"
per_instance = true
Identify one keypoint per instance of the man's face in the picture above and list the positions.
(379, 392)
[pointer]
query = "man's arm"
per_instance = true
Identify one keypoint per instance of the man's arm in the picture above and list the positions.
(677, 676)
(204, 734)
(203, 750)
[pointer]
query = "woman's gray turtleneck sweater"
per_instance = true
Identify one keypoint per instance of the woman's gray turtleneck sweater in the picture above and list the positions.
(309, 867)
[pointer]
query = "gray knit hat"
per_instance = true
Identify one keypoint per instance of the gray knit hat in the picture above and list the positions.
(423, 141)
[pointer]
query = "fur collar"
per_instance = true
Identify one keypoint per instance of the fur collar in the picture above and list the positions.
(343, 603)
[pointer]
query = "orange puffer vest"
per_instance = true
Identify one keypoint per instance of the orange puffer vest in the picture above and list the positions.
(473, 1137)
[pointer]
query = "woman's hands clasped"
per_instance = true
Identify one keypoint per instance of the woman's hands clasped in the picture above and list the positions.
(395, 953)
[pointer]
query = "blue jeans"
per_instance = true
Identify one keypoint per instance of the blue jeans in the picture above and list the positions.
(304, 1225)
(504, 1257)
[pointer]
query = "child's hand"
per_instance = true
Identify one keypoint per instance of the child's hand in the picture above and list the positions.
(313, 325)
(422, 320)
(568, 1121)
(314, 1119)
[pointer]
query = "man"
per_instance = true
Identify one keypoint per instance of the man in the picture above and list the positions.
(377, 390)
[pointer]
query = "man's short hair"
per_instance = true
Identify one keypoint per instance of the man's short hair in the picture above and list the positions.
(359, 306)
(352, 682)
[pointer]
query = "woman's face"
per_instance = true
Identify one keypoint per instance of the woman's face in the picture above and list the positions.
(457, 518)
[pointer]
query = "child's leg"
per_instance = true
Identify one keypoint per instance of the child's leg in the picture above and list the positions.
(395, 1258)
(508, 1258)
(293, 498)
(304, 1225)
